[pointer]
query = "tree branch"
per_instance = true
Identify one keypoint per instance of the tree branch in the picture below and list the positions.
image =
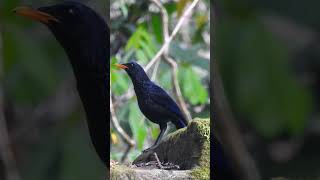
(170, 61)
(117, 126)
(176, 87)
(173, 34)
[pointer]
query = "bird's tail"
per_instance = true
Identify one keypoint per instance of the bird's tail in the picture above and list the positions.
(180, 123)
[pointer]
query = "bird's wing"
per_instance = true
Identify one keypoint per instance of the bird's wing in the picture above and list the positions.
(162, 98)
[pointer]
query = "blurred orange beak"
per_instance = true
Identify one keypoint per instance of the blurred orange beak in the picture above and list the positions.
(121, 66)
(35, 14)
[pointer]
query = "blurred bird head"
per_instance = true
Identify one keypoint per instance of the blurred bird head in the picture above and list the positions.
(81, 32)
(72, 23)
(135, 71)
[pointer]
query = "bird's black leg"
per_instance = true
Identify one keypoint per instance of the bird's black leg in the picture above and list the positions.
(163, 128)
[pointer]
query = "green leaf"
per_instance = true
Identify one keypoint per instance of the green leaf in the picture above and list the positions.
(189, 55)
(119, 79)
(165, 78)
(155, 130)
(137, 125)
(120, 83)
(157, 27)
(141, 42)
(171, 7)
(141, 56)
(192, 88)
(147, 49)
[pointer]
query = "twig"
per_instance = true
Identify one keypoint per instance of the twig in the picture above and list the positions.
(128, 95)
(165, 21)
(173, 34)
(131, 143)
(6, 152)
(154, 73)
(117, 126)
(158, 161)
(176, 87)
(172, 62)
(125, 154)
(165, 32)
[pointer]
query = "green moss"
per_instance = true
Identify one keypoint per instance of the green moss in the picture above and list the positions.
(197, 130)
(177, 133)
(202, 126)
(198, 126)
(200, 173)
(121, 171)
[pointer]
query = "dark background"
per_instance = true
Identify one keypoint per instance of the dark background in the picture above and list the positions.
(44, 117)
(268, 54)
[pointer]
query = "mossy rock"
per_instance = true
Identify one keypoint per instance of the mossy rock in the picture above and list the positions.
(187, 147)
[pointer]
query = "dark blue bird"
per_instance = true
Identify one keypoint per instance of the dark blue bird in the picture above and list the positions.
(153, 101)
(84, 35)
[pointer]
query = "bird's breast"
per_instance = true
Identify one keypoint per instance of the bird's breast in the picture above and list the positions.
(151, 110)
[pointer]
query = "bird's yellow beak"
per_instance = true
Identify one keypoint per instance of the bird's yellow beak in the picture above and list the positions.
(35, 14)
(121, 66)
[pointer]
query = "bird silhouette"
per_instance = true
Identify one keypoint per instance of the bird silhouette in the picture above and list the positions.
(84, 35)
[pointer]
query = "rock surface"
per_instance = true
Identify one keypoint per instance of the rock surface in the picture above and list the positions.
(188, 148)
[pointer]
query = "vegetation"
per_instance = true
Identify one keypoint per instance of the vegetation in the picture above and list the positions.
(139, 36)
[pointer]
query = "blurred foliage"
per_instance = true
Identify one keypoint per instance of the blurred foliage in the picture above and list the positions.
(258, 78)
(268, 54)
(34, 69)
(137, 35)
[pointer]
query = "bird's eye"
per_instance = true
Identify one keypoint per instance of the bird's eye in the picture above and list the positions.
(71, 11)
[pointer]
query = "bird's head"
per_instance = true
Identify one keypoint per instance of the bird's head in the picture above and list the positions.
(72, 23)
(134, 70)
(81, 32)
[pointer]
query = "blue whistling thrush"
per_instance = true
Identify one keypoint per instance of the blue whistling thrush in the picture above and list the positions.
(153, 101)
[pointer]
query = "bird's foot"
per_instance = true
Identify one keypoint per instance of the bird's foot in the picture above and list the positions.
(149, 149)
(158, 161)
